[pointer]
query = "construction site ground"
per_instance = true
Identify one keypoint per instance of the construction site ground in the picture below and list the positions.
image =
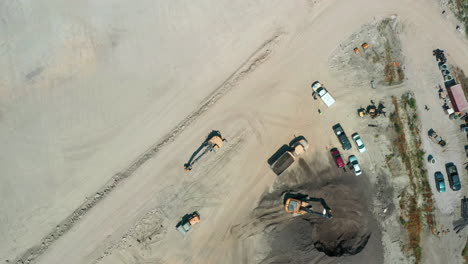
(102, 104)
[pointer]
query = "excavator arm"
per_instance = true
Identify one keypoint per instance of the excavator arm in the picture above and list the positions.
(326, 209)
(208, 147)
(213, 141)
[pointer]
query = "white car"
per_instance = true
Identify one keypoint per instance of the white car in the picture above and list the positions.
(360, 145)
(354, 165)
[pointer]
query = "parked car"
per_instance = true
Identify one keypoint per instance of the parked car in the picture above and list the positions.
(439, 181)
(466, 150)
(339, 132)
(452, 175)
(337, 157)
(464, 128)
(354, 165)
(359, 144)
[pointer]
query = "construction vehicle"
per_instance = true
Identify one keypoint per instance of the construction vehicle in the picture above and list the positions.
(295, 149)
(361, 112)
(356, 51)
(372, 110)
(436, 138)
(298, 204)
(187, 222)
(365, 46)
(323, 93)
(213, 142)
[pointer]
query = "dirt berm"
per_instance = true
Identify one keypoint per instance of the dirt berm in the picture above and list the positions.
(351, 236)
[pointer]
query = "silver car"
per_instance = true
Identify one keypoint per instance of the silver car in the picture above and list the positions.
(360, 145)
(354, 165)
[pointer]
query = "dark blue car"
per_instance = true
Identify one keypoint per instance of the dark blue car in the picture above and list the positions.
(453, 177)
(339, 132)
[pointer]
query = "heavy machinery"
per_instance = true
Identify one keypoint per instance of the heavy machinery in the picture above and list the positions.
(303, 204)
(296, 148)
(372, 110)
(214, 141)
(187, 222)
(361, 112)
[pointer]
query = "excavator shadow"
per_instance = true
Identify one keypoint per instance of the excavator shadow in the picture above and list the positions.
(283, 149)
(205, 145)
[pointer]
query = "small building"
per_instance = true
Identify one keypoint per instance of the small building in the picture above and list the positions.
(457, 97)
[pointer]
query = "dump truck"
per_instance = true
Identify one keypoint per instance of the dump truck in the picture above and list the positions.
(436, 138)
(304, 204)
(327, 99)
(187, 222)
(289, 156)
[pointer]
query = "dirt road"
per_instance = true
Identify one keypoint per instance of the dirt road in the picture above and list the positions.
(105, 82)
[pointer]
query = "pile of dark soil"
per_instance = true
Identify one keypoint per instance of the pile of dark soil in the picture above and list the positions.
(314, 239)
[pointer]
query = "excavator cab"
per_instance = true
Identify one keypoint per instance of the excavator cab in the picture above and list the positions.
(293, 206)
(216, 141)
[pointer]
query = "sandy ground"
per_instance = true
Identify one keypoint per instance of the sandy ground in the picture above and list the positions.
(91, 87)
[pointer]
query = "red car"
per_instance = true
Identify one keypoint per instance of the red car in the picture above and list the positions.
(337, 157)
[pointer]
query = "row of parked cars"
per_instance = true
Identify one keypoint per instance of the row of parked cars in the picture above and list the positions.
(452, 175)
(346, 145)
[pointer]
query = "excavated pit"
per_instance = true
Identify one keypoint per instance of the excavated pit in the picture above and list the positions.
(314, 239)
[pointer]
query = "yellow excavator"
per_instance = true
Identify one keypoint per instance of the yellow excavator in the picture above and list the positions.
(213, 142)
(303, 204)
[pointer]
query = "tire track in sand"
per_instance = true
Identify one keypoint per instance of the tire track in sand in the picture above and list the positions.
(259, 56)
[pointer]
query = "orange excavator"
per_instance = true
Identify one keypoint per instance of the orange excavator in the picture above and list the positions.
(213, 142)
(303, 204)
